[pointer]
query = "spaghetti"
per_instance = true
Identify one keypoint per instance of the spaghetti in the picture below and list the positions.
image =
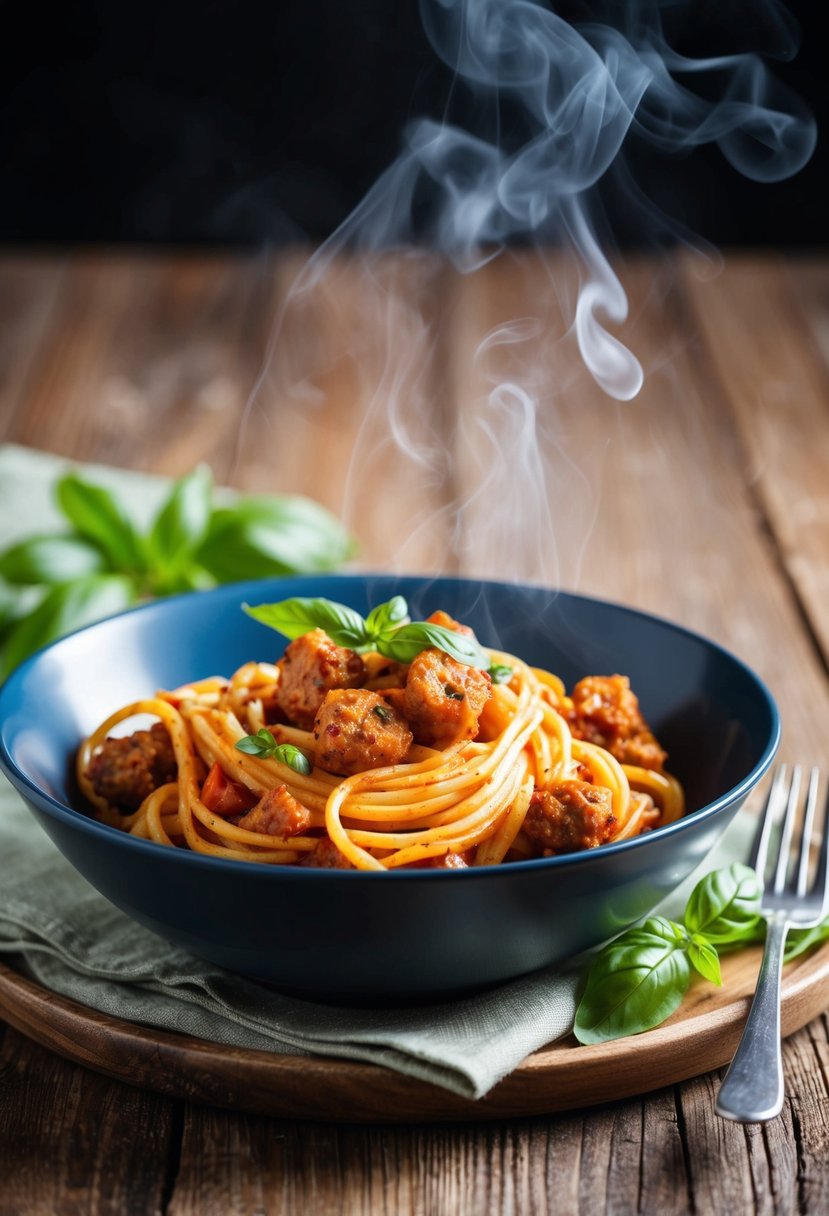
(532, 780)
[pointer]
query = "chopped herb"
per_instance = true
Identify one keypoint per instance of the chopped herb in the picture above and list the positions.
(452, 693)
(499, 673)
(382, 711)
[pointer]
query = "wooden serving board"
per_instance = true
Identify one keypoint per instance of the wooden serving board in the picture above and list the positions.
(700, 1036)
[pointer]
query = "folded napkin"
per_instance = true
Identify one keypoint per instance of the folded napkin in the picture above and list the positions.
(75, 943)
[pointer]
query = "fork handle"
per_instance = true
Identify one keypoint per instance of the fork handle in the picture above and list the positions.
(752, 1091)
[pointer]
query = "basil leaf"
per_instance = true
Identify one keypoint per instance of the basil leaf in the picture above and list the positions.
(499, 673)
(11, 607)
(387, 616)
(260, 537)
(297, 616)
(405, 643)
(801, 940)
(98, 516)
(724, 906)
(66, 607)
(264, 745)
(704, 958)
(50, 559)
(635, 982)
(260, 744)
(181, 523)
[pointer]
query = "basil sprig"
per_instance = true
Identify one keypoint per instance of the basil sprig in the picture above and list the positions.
(385, 630)
(725, 906)
(636, 981)
(264, 745)
(102, 562)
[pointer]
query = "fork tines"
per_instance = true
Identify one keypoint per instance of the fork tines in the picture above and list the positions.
(783, 804)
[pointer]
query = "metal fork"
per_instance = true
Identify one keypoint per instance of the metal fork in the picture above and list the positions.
(752, 1091)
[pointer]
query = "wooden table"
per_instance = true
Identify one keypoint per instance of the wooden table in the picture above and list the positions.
(706, 499)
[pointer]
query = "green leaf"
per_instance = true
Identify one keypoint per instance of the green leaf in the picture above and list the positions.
(405, 643)
(704, 958)
(181, 524)
(97, 515)
(499, 673)
(801, 940)
(295, 617)
(50, 559)
(260, 744)
(264, 745)
(16, 603)
(724, 906)
(261, 537)
(635, 982)
(64, 608)
(386, 617)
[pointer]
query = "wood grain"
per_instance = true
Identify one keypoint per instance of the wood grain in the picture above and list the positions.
(774, 378)
(72, 1141)
(701, 1035)
(703, 500)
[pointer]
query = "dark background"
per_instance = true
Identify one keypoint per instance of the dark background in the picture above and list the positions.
(245, 122)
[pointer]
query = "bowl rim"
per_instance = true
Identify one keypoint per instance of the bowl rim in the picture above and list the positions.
(77, 819)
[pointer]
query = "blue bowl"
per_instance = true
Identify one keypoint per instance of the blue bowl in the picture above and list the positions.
(348, 935)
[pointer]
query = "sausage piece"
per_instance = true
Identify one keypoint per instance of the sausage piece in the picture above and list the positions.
(310, 667)
(356, 729)
(571, 816)
(444, 698)
(326, 856)
(277, 813)
(125, 771)
(606, 711)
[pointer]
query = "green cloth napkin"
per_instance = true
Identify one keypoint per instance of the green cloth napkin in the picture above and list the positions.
(75, 943)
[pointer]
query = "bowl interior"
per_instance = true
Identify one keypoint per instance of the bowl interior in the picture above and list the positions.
(713, 715)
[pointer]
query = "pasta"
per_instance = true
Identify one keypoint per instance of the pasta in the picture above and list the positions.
(528, 773)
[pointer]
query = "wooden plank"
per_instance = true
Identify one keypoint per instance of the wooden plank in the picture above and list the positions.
(727, 1173)
(643, 502)
(30, 289)
(775, 380)
(702, 1033)
(808, 282)
(329, 391)
(807, 1077)
(71, 1141)
(348, 407)
(152, 361)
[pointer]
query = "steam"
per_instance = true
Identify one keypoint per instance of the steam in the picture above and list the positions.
(574, 95)
(580, 93)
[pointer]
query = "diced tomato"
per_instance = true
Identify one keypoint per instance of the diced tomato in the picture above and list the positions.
(224, 796)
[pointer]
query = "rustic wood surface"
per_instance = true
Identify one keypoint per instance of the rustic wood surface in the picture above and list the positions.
(451, 423)
(701, 1035)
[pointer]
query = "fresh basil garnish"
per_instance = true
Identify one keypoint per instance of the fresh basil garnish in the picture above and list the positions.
(295, 617)
(635, 982)
(264, 745)
(725, 905)
(385, 630)
(639, 979)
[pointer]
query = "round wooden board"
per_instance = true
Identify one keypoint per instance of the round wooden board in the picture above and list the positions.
(701, 1036)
